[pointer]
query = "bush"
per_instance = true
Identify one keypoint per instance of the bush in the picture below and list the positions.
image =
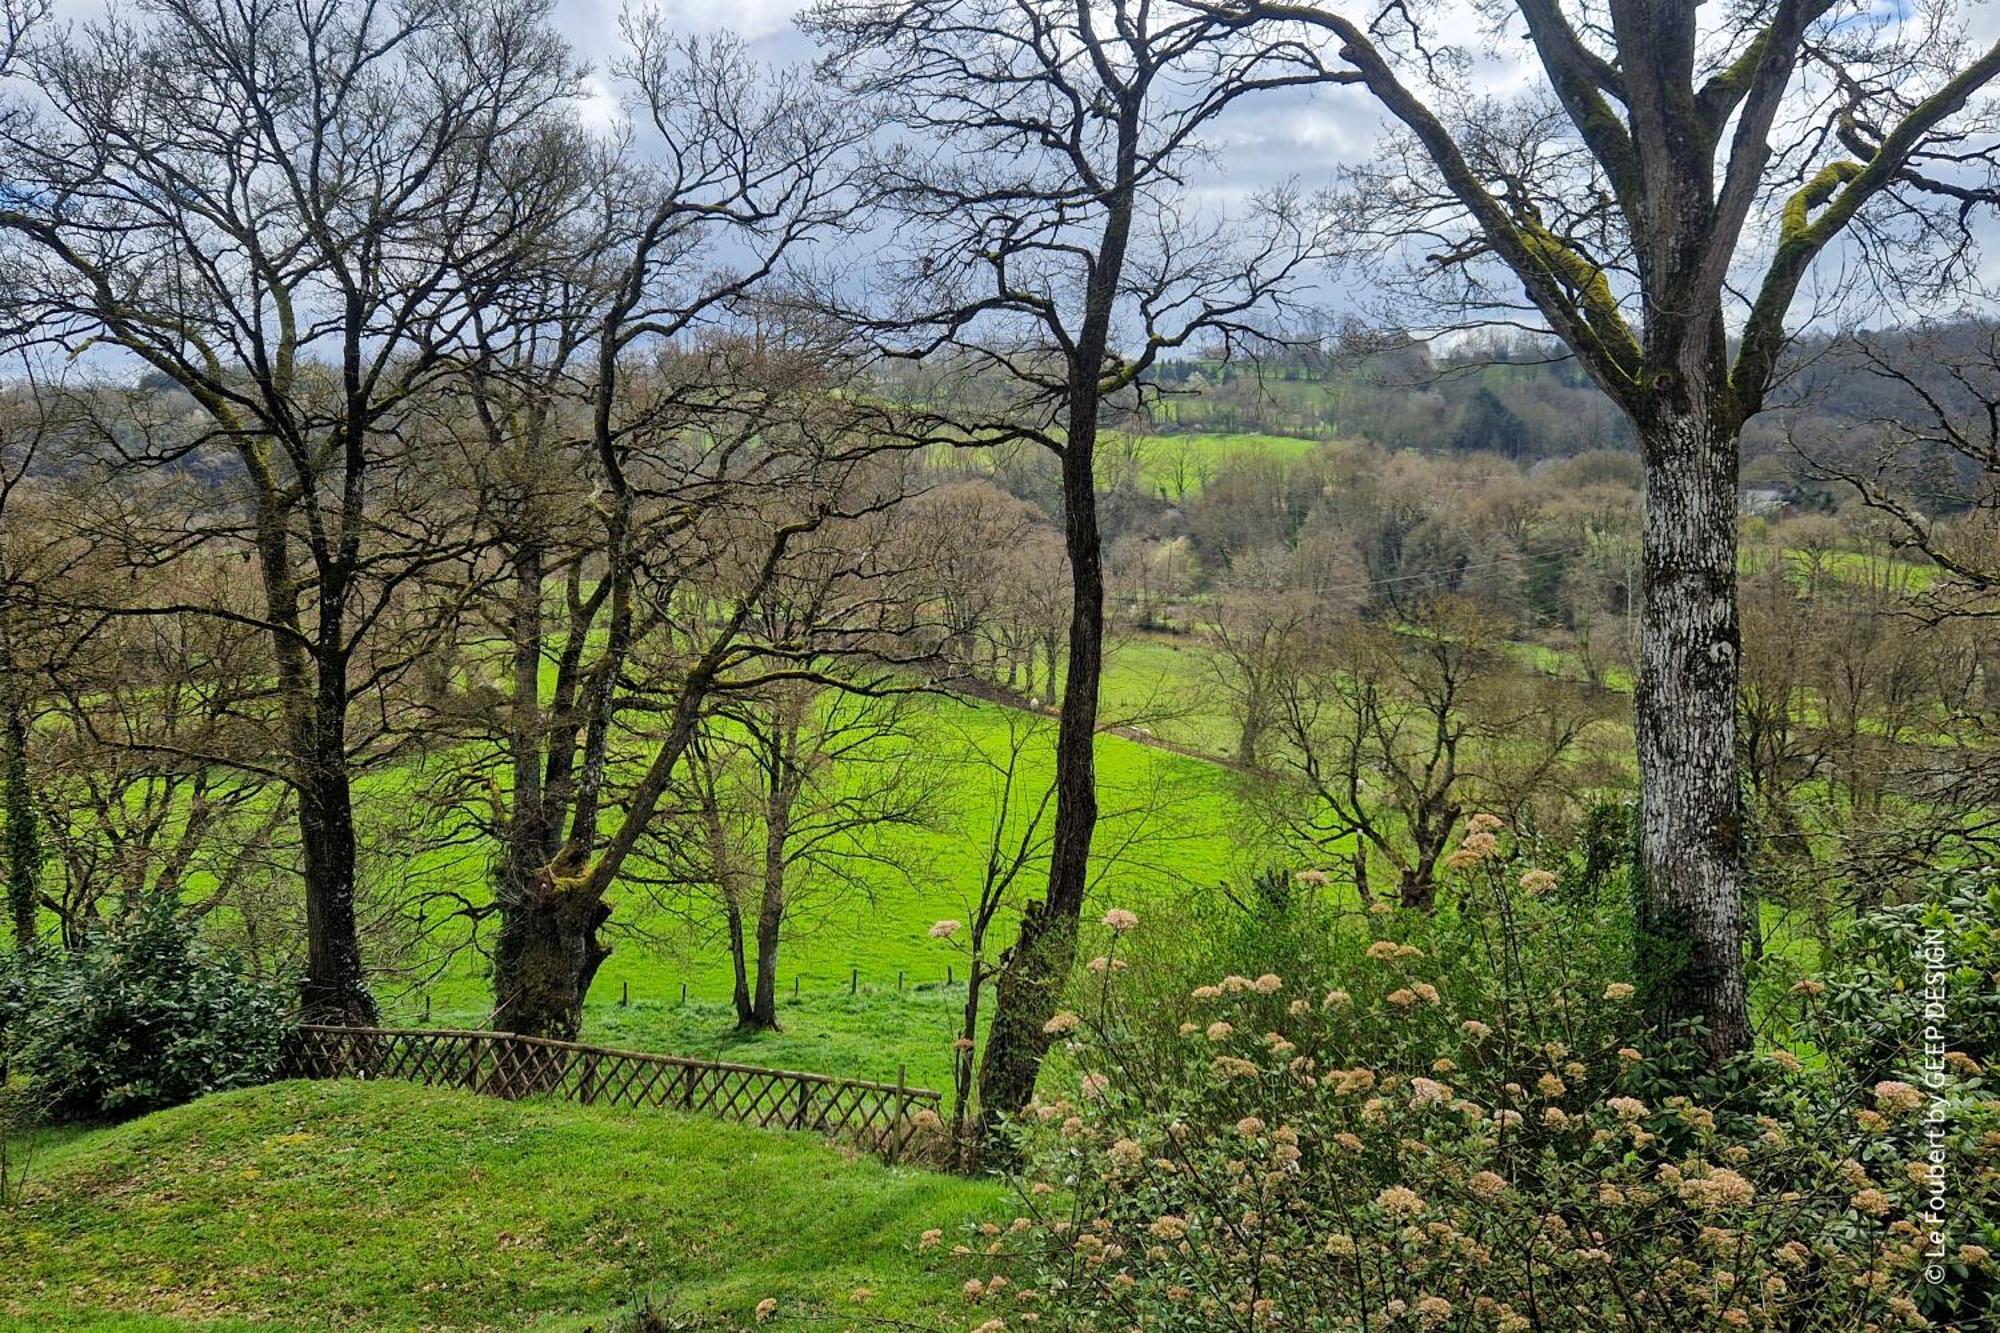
(139, 1018)
(1462, 1128)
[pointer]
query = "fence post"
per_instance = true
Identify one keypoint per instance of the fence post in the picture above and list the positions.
(898, 1127)
(507, 1059)
(854, 981)
(798, 1120)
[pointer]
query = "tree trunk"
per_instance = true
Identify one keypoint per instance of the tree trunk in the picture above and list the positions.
(547, 956)
(335, 989)
(312, 690)
(1250, 736)
(1691, 907)
(764, 1007)
(1033, 973)
(965, 1147)
(24, 844)
(739, 960)
(771, 912)
(729, 884)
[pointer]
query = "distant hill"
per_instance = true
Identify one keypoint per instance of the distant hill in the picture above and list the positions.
(1525, 399)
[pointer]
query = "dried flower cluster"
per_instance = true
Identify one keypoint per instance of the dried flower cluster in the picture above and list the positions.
(1480, 1144)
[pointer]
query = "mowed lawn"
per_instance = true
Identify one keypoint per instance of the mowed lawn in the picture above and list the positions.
(337, 1206)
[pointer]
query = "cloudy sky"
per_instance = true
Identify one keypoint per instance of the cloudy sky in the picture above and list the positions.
(1299, 136)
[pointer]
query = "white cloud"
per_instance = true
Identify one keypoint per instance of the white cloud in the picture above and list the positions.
(592, 25)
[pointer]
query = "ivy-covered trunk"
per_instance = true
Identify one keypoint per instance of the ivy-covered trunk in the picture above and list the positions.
(24, 840)
(771, 911)
(547, 955)
(1691, 903)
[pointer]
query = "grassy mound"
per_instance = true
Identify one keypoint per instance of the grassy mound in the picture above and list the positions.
(380, 1206)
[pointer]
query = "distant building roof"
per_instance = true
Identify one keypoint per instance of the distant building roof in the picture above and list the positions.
(1762, 501)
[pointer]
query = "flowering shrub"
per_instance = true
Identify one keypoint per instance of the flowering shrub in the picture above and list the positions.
(1458, 1126)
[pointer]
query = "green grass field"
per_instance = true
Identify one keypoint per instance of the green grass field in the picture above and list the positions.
(1178, 466)
(1167, 824)
(1175, 466)
(377, 1206)
(871, 998)
(1860, 568)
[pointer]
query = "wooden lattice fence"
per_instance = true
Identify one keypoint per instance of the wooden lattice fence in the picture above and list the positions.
(882, 1117)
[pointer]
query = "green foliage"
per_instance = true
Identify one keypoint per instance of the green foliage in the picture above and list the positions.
(140, 1018)
(1488, 424)
(1458, 1121)
(1940, 954)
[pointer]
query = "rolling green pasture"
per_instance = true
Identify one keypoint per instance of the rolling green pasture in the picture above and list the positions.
(1175, 466)
(1180, 465)
(1861, 568)
(870, 998)
(862, 984)
(1168, 824)
(1303, 397)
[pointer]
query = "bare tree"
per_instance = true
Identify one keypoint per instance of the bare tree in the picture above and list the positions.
(1053, 251)
(1256, 636)
(1932, 468)
(1394, 738)
(152, 775)
(801, 791)
(962, 536)
(1034, 615)
(1658, 196)
(649, 442)
(1017, 840)
(284, 211)
(748, 484)
(1864, 758)
(1008, 797)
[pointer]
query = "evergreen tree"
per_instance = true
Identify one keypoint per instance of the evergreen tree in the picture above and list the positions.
(1489, 424)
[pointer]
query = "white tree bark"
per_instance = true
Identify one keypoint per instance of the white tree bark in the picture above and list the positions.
(1691, 811)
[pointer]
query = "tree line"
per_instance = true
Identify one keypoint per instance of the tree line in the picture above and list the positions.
(434, 425)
